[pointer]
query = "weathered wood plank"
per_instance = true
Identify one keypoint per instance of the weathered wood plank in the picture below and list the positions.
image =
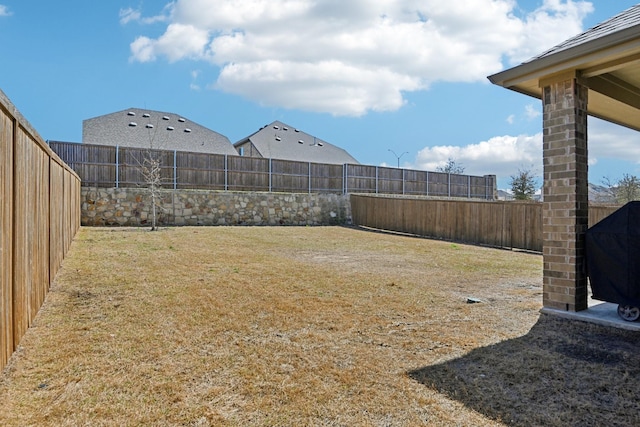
(35, 217)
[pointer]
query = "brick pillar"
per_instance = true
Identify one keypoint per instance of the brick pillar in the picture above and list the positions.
(566, 193)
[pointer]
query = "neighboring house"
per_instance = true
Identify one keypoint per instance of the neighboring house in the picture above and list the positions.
(142, 128)
(280, 141)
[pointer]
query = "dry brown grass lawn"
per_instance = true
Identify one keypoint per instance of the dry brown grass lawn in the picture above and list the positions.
(308, 326)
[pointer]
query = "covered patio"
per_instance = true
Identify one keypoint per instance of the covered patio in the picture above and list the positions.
(595, 73)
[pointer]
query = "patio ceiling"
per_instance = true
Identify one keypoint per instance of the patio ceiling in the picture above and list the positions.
(606, 59)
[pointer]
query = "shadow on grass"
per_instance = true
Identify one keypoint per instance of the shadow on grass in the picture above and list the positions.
(561, 373)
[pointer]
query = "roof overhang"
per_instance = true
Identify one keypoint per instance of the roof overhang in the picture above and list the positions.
(609, 66)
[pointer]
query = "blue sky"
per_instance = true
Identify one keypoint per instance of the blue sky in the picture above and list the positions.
(368, 76)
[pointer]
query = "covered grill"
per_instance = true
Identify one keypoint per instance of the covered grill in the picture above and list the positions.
(613, 260)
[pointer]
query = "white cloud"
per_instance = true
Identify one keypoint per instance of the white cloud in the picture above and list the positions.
(135, 15)
(531, 112)
(194, 78)
(550, 24)
(500, 155)
(349, 58)
(4, 11)
(128, 15)
(511, 119)
(331, 86)
(607, 140)
(504, 155)
(178, 42)
(143, 49)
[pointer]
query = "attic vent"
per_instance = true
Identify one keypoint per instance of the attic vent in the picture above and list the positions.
(276, 127)
(149, 126)
(133, 124)
(300, 141)
(319, 144)
(146, 115)
(131, 113)
(285, 128)
(181, 120)
(165, 117)
(170, 128)
(297, 130)
(278, 138)
(187, 130)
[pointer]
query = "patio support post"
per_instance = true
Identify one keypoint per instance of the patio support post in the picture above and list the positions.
(566, 210)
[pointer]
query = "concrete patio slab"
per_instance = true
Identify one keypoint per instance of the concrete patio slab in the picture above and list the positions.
(601, 313)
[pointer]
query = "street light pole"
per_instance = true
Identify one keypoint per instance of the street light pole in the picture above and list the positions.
(398, 157)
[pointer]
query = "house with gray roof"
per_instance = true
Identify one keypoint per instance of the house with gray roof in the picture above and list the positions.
(142, 128)
(281, 141)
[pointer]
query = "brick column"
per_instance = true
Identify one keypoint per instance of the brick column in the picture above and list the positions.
(566, 193)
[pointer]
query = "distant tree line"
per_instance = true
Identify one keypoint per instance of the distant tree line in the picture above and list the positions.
(524, 183)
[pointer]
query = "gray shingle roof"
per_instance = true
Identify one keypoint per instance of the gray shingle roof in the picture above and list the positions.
(622, 21)
(281, 141)
(142, 128)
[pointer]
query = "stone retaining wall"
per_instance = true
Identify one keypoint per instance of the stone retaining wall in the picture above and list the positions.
(132, 207)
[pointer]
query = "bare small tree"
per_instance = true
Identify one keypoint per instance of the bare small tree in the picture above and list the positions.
(151, 173)
(451, 167)
(150, 166)
(609, 192)
(523, 184)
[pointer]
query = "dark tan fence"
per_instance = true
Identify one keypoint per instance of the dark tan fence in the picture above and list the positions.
(600, 212)
(39, 216)
(106, 166)
(516, 225)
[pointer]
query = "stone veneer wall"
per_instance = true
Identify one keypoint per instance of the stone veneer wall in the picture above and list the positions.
(132, 207)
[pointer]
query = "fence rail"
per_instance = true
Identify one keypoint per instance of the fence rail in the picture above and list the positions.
(39, 216)
(109, 166)
(515, 225)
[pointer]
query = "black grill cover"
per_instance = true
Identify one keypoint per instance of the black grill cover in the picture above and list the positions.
(613, 256)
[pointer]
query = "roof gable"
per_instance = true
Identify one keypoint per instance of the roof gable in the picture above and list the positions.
(281, 141)
(142, 128)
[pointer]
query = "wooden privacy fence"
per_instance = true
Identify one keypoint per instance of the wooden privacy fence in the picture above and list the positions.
(515, 225)
(113, 166)
(39, 216)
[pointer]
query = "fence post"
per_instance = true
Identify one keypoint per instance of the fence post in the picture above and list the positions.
(468, 186)
(489, 186)
(427, 183)
(345, 178)
(377, 179)
(226, 173)
(403, 182)
(486, 195)
(175, 170)
(270, 173)
(309, 177)
(117, 166)
(449, 183)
